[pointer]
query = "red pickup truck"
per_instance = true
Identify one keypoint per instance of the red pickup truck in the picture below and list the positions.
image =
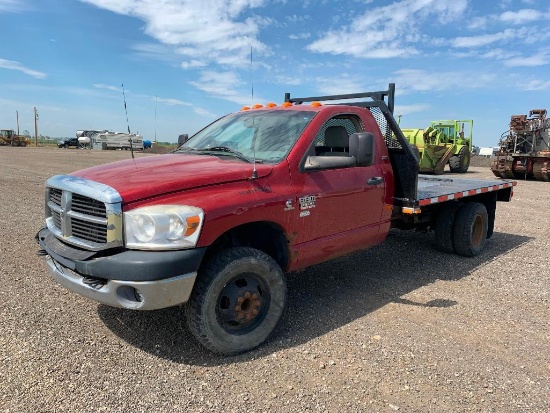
(252, 196)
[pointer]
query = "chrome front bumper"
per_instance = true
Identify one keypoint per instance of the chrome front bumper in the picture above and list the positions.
(134, 295)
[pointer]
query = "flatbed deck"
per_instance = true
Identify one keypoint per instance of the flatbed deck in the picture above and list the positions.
(433, 190)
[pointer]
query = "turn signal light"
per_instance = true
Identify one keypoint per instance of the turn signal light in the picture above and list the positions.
(192, 224)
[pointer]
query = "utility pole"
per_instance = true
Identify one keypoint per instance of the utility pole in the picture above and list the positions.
(17, 114)
(35, 127)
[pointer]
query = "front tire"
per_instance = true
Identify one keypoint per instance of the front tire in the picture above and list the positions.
(470, 231)
(460, 162)
(237, 301)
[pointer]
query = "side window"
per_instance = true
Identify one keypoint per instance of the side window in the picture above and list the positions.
(333, 137)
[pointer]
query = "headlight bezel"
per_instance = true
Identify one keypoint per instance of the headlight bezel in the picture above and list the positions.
(162, 227)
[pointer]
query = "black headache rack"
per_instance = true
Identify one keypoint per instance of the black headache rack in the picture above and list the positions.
(402, 158)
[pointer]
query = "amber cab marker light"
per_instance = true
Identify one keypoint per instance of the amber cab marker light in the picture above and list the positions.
(257, 106)
(286, 104)
(316, 104)
(245, 108)
(270, 105)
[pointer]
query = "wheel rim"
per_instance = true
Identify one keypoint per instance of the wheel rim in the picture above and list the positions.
(243, 304)
(477, 230)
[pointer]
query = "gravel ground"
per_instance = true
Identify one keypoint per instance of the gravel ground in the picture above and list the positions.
(400, 327)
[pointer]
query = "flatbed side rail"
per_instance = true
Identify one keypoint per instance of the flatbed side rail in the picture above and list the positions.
(433, 190)
(403, 160)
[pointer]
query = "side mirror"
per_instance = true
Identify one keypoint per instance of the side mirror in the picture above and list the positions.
(183, 138)
(361, 146)
(317, 163)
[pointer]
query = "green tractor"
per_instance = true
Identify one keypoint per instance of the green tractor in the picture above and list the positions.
(444, 141)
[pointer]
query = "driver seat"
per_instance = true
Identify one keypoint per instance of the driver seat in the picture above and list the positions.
(336, 142)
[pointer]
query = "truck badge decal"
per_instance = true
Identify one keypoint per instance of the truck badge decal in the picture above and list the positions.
(288, 205)
(307, 202)
(305, 214)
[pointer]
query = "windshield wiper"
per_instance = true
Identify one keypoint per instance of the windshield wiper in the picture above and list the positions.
(224, 149)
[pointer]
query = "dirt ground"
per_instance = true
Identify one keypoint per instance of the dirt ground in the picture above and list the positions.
(400, 327)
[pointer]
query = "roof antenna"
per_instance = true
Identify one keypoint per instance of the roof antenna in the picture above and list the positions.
(127, 123)
(254, 171)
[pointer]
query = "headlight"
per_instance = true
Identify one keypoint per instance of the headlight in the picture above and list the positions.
(163, 227)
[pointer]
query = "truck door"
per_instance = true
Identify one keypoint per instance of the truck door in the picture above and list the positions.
(338, 210)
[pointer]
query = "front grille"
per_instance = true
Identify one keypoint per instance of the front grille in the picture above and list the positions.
(89, 231)
(82, 220)
(55, 196)
(89, 206)
(56, 217)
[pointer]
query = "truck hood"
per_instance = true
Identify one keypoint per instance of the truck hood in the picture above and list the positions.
(160, 174)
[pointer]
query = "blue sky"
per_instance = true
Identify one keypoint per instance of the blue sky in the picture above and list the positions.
(189, 60)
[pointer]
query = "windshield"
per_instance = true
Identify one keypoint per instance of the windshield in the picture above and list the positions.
(264, 136)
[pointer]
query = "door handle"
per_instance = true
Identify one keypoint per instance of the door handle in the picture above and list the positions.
(375, 180)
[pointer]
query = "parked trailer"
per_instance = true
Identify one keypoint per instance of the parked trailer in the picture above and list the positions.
(112, 140)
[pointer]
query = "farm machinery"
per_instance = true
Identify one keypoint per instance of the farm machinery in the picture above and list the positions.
(443, 142)
(524, 150)
(9, 137)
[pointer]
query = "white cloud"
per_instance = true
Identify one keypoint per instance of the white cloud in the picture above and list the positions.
(479, 22)
(537, 85)
(204, 112)
(523, 16)
(288, 80)
(345, 83)
(108, 87)
(389, 31)
(504, 4)
(540, 59)
(155, 51)
(13, 65)
(222, 84)
(415, 80)
(11, 6)
(498, 54)
(192, 64)
(484, 39)
(294, 18)
(171, 101)
(299, 36)
(205, 31)
(156, 99)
